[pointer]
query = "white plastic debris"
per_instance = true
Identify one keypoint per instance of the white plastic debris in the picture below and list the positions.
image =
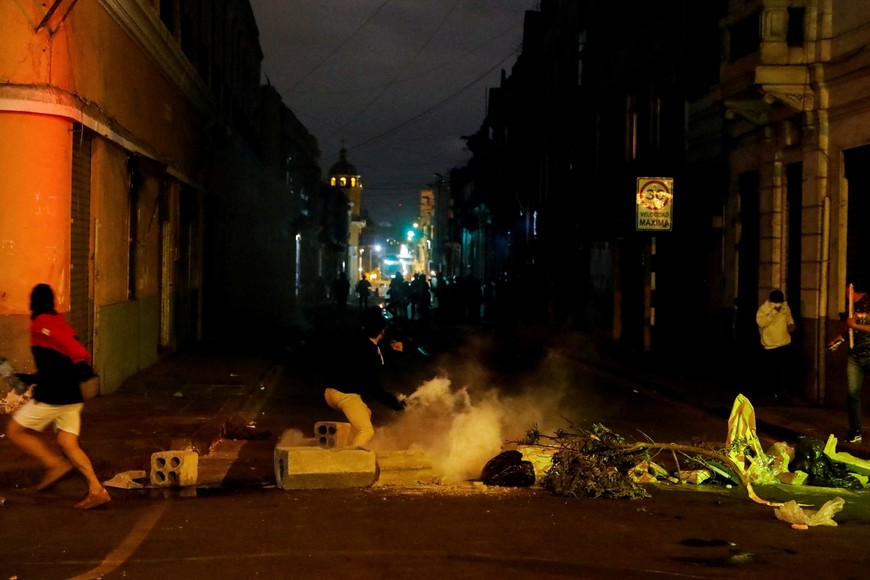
(801, 519)
(125, 479)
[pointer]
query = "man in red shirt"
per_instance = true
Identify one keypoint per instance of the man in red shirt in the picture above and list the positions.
(62, 362)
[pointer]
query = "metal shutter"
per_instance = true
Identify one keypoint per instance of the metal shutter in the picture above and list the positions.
(80, 315)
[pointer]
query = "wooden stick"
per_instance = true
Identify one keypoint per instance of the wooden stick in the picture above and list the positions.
(851, 314)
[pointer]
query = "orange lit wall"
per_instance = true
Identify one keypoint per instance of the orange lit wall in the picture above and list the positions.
(34, 222)
(35, 200)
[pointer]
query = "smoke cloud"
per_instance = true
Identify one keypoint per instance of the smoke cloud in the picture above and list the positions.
(461, 428)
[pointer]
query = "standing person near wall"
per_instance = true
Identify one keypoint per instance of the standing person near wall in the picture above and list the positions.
(858, 362)
(355, 378)
(62, 362)
(775, 325)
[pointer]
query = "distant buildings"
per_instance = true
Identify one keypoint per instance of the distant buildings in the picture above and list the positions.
(755, 108)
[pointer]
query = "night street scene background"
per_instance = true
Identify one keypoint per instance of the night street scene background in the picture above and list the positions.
(570, 212)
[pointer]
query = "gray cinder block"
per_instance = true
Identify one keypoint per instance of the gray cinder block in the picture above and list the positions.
(174, 468)
(319, 468)
(331, 434)
(405, 468)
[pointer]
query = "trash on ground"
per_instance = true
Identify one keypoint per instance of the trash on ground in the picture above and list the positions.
(508, 469)
(821, 469)
(744, 448)
(859, 468)
(697, 476)
(800, 518)
(125, 480)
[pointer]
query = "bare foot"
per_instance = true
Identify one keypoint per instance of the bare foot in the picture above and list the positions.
(54, 474)
(93, 500)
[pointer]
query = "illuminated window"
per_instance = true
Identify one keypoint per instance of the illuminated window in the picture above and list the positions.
(353, 181)
(332, 181)
(343, 181)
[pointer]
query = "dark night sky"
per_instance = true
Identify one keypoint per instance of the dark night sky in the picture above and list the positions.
(398, 82)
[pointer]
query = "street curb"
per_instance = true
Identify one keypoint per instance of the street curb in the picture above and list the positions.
(235, 414)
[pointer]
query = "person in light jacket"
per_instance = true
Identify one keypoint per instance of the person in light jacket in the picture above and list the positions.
(775, 326)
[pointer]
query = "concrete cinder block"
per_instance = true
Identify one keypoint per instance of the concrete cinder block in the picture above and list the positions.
(174, 468)
(405, 468)
(319, 468)
(331, 434)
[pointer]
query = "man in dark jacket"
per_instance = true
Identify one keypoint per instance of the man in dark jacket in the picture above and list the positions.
(355, 379)
(62, 362)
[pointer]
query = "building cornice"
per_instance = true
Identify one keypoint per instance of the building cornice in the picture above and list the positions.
(143, 26)
(50, 100)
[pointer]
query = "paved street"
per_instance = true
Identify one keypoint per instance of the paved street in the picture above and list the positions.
(499, 386)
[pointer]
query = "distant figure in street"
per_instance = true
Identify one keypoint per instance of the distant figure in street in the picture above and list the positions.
(62, 362)
(421, 297)
(858, 362)
(363, 289)
(340, 291)
(775, 325)
(398, 296)
(356, 380)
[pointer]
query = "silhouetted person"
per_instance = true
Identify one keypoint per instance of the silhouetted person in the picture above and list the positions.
(340, 291)
(363, 289)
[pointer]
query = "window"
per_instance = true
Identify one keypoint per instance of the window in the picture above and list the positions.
(745, 37)
(795, 33)
(169, 16)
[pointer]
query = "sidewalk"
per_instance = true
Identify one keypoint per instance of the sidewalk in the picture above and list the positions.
(185, 401)
(191, 400)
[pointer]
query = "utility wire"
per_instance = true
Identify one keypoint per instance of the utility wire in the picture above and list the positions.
(434, 107)
(411, 77)
(396, 76)
(337, 49)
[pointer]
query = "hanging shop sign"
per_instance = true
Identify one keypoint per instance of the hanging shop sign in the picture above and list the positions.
(655, 204)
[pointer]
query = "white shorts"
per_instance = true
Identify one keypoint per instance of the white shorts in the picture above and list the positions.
(37, 416)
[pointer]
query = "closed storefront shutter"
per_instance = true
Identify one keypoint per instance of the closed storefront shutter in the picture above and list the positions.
(80, 315)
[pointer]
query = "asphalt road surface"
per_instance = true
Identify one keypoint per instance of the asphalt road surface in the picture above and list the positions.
(466, 530)
(424, 532)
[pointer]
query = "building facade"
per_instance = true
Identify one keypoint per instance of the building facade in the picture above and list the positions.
(793, 95)
(757, 111)
(131, 160)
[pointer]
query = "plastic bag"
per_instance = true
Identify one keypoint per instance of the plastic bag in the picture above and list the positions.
(794, 514)
(810, 457)
(508, 469)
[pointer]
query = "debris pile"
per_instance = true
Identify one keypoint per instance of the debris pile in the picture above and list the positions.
(601, 463)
